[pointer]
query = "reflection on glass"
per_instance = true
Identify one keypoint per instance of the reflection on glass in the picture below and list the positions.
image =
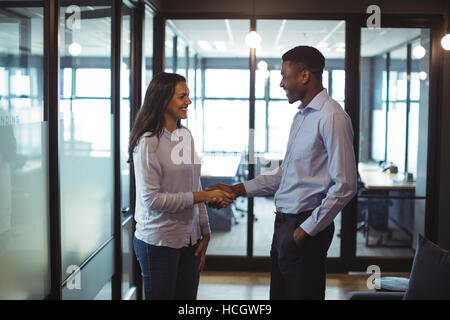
(24, 210)
(394, 104)
(86, 171)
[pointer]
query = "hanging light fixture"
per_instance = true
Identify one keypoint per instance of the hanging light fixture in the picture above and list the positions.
(253, 39)
(419, 52)
(75, 48)
(445, 42)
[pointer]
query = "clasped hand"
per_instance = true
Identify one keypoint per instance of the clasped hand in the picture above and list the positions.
(221, 196)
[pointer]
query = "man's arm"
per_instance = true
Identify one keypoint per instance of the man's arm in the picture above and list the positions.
(265, 184)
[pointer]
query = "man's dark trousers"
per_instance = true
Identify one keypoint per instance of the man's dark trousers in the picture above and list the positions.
(298, 273)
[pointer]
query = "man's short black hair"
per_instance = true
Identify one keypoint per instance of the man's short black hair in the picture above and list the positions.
(312, 58)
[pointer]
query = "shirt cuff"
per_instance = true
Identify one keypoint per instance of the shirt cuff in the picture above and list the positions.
(310, 226)
(250, 187)
(205, 229)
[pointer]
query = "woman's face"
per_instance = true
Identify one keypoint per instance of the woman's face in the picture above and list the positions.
(177, 107)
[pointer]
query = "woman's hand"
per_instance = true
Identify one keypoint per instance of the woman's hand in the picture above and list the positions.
(201, 250)
(219, 197)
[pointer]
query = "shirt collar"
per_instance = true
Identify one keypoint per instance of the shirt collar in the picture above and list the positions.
(317, 102)
(175, 135)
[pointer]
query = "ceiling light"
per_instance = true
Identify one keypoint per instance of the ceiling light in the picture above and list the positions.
(253, 40)
(75, 48)
(423, 75)
(262, 65)
(419, 52)
(445, 42)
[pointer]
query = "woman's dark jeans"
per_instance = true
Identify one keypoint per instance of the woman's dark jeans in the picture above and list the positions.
(168, 273)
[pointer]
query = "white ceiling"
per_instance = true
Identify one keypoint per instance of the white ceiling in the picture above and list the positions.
(226, 38)
(278, 36)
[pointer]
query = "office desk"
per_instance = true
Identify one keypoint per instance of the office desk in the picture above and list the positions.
(375, 179)
(386, 197)
(219, 169)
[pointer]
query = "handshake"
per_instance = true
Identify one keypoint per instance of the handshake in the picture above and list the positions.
(221, 195)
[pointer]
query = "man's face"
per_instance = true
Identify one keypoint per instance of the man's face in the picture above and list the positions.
(293, 81)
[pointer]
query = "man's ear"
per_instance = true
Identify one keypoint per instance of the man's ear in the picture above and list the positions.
(306, 76)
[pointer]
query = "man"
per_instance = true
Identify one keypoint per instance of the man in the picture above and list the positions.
(315, 181)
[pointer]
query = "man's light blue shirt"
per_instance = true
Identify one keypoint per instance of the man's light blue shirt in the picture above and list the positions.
(319, 170)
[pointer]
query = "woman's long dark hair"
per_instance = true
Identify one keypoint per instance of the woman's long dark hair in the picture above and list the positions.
(151, 114)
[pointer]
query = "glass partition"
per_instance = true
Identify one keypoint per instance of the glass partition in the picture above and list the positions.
(169, 50)
(24, 205)
(221, 112)
(278, 36)
(125, 120)
(125, 109)
(148, 51)
(392, 162)
(86, 162)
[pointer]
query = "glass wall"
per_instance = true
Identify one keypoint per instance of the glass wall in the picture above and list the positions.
(274, 114)
(219, 117)
(125, 109)
(392, 164)
(169, 50)
(86, 162)
(24, 206)
(127, 272)
(148, 51)
(222, 109)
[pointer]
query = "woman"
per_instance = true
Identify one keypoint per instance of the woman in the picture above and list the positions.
(172, 230)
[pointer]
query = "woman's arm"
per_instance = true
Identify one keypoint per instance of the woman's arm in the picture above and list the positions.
(151, 194)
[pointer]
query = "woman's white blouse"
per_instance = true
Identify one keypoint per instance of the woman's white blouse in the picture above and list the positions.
(167, 172)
